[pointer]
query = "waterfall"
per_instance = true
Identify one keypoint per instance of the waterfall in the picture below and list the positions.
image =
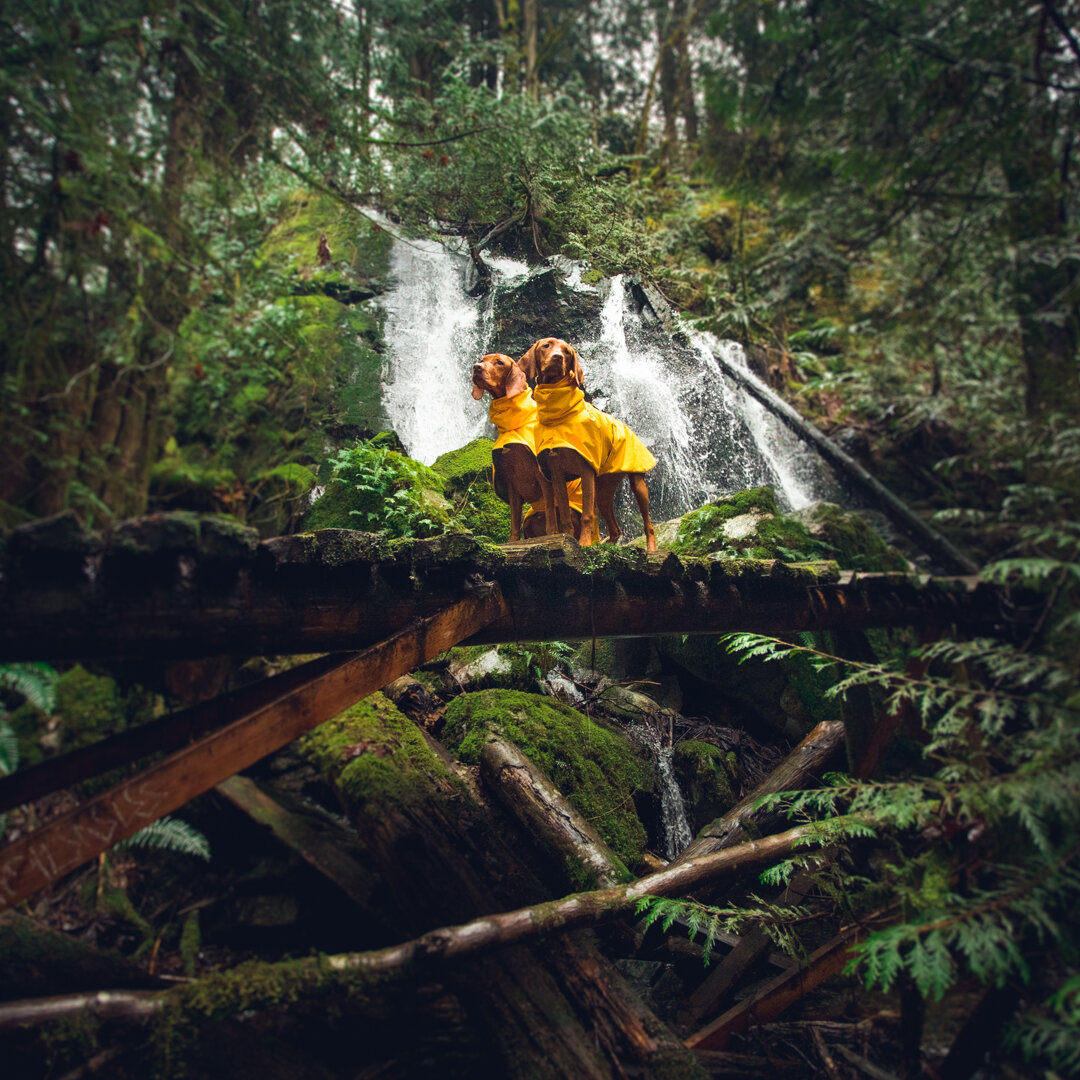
(673, 820)
(432, 333)
(709, 436)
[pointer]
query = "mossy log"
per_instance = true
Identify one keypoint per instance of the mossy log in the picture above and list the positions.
(547, 815)
(177, 585)
(557, 1010)
(467, 940)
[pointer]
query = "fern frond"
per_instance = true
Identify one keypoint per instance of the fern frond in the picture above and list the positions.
(170, 834)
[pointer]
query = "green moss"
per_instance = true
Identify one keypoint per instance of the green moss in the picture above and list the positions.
(373, 753)
(595, 768)
(468, 463)
(704, 773)
(177, 484)
(467, 484)
(360, 249)
(772, 535)
(850, 540)
(283, 495)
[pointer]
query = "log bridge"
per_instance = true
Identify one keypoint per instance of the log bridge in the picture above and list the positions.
(176, 585)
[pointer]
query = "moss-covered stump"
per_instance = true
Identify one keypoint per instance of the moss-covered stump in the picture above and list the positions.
(594, 767)
(380, 490)
(705, 772)
(467, 477)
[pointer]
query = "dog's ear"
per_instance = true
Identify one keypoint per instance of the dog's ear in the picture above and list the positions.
(477, 393)
(575, 367)
(528, 362)
(516, 380)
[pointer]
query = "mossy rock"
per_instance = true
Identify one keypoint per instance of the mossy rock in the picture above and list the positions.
(501, 667)
(849, 539)
(380, 490)
(704, 772)
(373, 753)
(467, 475)
(745, 525)
(594, 767)
(781, 697)
(360, 248)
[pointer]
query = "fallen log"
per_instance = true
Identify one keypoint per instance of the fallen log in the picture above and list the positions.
(779, 993)
(901, 515)
(800, 769)
(40, 857)
(482, 934)
(546, 814)
(339, 590)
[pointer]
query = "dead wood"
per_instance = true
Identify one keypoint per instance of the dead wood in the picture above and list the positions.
(546, 814)
(875, 1072)
(823, 1052)
(157, 588)
(467, 940)
(749, 949)
(39, 858)
(779, 993)
(801, 768)
(748, 1066)
(423, 707)
(102, 1004)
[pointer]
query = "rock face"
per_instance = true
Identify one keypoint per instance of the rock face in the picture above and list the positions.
(543, 304)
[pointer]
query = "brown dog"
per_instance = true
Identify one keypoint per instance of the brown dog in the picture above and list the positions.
(578, 440)
(515, 473)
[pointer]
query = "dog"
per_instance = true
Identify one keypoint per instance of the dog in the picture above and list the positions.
(516, 474)
(578, 440)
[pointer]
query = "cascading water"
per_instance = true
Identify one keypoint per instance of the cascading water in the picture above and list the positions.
(673, 820)
(709, 437)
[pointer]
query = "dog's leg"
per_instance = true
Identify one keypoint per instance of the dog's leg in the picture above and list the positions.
(515, 515)
(606, 486)
(551, 519)
(641, 494)
(564, 523)
(589, 531)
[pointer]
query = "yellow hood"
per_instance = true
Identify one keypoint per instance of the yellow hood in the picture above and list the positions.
(514, 419)
(567, 419)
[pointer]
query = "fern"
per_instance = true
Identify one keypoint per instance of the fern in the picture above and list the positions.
(35, 682)
(170, 834)
(9, 749)
(711, 922)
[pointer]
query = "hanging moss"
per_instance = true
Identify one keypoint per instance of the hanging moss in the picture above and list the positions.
(594, 767)
(373, 753)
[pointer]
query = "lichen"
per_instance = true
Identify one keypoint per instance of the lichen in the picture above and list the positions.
(373, 753)
(594, 767)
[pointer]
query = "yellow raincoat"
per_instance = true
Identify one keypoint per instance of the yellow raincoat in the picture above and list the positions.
(567, 419)
(515, 419)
